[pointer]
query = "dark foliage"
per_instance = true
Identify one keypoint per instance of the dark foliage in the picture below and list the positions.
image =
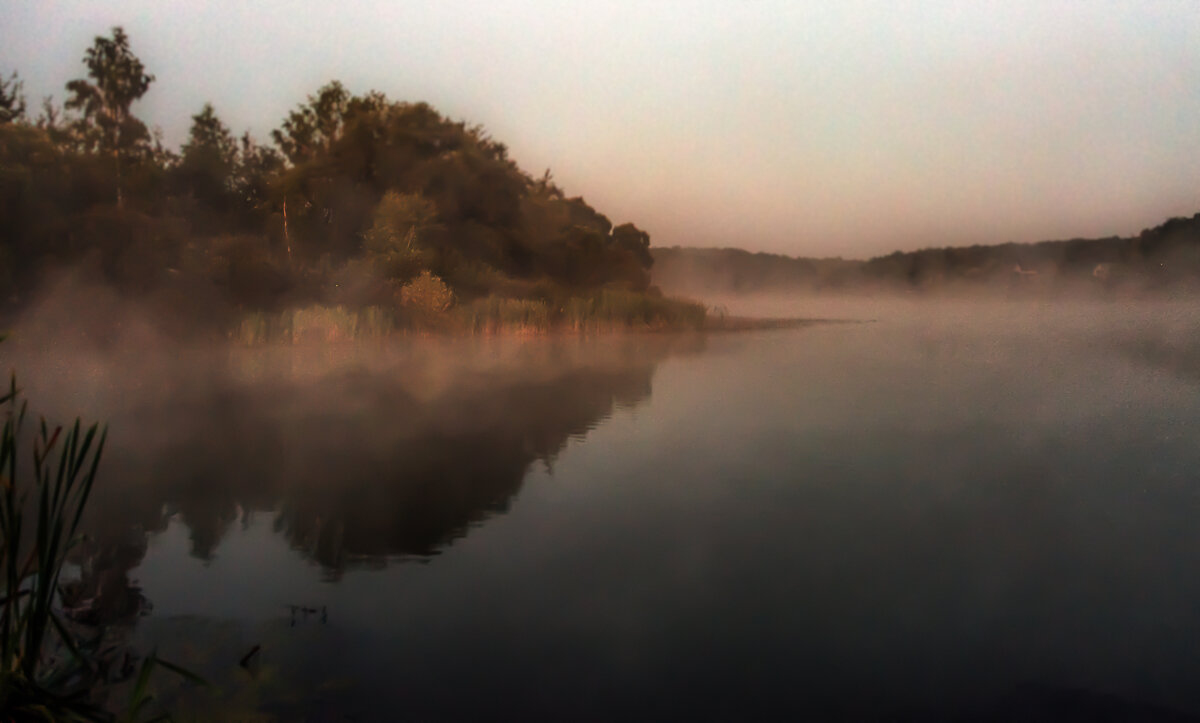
(267, 228)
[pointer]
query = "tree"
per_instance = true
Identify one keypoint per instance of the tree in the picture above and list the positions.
(118, 79)
(209, 158)
(393, 243)
(209, 136)
(12, 100)
(634, 240)
(256, 166)
(314, 126)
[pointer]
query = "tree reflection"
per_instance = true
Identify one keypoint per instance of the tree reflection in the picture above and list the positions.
(359, 463)
(406, 478)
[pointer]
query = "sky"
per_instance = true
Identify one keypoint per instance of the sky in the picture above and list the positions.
(808, 128)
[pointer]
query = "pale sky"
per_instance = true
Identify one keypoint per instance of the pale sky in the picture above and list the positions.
(807, 128)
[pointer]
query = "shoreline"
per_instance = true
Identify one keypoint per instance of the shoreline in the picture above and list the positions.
(756, 323)
(725, 325)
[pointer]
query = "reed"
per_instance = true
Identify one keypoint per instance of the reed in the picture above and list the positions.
(430, 307)
(47, 672)
(314, 323)
(613, 308)
(494, 314)
(39, 525)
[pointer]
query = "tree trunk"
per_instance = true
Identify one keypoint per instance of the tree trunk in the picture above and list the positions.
(120, 194)
(287, 241)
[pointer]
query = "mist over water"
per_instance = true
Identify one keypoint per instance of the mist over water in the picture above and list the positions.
(979, 509)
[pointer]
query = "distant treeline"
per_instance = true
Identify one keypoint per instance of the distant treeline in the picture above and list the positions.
(1161, 259)
(359, 201)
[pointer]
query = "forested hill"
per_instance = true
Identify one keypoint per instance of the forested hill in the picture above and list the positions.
(1163, 258)
(359, 200)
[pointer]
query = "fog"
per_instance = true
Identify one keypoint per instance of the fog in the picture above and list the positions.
(939, 505)
(364, 451)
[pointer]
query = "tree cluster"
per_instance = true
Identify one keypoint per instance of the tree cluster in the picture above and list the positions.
(357, 197)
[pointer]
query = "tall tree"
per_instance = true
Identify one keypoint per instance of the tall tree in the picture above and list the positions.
(314, 126)
(256, 166)
(118, 79)
(209, 158)
(209, 136)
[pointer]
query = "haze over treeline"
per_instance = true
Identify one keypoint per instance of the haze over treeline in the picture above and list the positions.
(1162, 259)
(358, 199)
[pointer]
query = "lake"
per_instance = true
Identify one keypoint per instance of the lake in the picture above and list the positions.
(942, 510)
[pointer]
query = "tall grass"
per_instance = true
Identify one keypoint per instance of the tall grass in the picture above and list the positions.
(605, 310)
(324, 323)
(31, 560)
(613, 308)
(494, 314)
(314, 323)
(45, 673)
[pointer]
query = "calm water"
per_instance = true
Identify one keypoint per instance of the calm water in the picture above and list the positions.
(984, 510)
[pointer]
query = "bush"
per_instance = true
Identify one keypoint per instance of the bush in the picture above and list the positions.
(426, 294)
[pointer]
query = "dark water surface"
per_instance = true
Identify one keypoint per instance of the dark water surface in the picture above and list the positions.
(969, 510)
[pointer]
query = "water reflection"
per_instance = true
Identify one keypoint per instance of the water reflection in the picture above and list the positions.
(362, 457)
(406, 477)
(936, 516)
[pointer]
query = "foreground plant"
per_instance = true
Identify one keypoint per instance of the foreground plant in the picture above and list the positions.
(45, 673)
(34, 681)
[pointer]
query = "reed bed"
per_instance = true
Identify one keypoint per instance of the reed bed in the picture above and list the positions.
(606, 310)
(314, 323)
